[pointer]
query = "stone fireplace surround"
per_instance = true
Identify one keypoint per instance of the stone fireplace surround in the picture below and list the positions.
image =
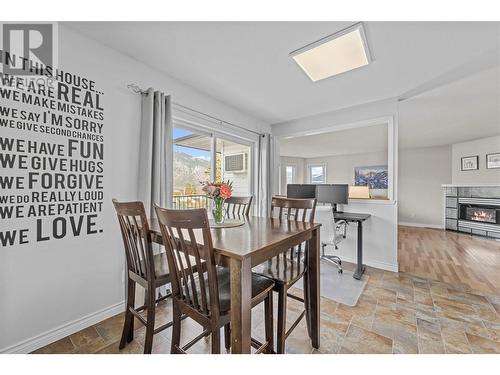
(472, 209)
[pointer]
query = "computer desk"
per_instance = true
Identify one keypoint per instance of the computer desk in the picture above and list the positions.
(352, 217)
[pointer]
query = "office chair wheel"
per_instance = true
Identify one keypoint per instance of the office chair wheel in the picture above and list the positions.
(341, 270)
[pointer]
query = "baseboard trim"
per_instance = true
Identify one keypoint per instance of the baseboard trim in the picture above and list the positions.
(373, 263)
(46, 338)
(420, 225)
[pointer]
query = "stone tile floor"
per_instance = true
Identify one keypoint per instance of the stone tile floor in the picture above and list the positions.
(397, 313)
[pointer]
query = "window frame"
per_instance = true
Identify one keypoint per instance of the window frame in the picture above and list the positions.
(214, 134)
(309, 172)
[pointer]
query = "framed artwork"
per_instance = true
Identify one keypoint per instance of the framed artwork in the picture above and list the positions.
(470, 163)
(493, 160)
(374, 177)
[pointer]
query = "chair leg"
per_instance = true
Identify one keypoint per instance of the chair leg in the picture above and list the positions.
(268, 319)
(150, 327)
(176, 328)
(227, 337)
(305, 280)
(215, 339)
(281, 320)
(128, 325)
(130, 335)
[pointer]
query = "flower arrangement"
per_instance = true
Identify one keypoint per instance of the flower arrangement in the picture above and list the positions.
(218, 192)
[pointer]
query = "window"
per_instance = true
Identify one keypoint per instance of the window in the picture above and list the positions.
(192, 165)
(317, 173)
(290, 174)
(201, 156)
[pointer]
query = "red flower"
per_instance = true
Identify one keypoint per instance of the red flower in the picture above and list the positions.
(225, 191)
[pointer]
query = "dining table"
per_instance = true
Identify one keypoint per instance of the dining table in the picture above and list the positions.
(258, 240)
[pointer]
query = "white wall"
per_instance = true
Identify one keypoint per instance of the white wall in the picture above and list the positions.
(479, 147)
(380, 232)
(55, 288)
(422, 171)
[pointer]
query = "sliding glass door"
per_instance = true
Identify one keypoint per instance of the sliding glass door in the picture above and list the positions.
(192, 166)
(202, 156)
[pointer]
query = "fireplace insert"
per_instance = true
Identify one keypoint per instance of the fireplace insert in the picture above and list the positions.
(479, 213)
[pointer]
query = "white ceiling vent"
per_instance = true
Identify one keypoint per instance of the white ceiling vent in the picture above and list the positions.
(235, 163)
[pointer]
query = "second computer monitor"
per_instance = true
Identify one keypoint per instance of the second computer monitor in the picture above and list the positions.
(332, 193)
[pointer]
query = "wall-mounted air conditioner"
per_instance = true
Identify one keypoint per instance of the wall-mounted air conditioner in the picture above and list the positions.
(235, 163)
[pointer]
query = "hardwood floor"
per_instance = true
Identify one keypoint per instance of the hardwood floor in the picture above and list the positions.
(460, 259)
(397, 313)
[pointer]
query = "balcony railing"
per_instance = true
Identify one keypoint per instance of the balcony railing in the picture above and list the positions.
(181, 202)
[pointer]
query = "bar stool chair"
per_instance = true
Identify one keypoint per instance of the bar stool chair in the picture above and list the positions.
(204, 293)
(144, 268)
(289, 267)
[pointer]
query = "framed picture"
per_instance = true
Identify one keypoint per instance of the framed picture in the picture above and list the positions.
(493, 160)
(375, 177)
(470, 163)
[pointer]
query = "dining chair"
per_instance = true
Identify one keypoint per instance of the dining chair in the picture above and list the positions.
(238, 206)
(289, 267)
(204, 294)
(144, 268)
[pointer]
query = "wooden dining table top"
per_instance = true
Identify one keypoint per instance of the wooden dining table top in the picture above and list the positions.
(257, 235)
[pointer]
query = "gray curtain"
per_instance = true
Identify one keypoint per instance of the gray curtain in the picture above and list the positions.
(156, 151)
(266, 173)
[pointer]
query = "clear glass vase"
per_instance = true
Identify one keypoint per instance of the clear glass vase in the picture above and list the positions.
(219, 212)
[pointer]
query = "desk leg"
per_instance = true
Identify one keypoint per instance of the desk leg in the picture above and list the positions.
(241, 305)
(313, 264)
(360, 269)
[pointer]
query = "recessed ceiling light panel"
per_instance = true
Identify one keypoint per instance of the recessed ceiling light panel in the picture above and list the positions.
(337, 53)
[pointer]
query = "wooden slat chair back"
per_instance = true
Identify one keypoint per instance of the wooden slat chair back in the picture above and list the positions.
(185, 253)
(297, 210)
(136, 239)
(238, 206)
(293, 209)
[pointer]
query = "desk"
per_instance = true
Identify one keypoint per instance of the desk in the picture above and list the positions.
(251, 244)
(352, 217)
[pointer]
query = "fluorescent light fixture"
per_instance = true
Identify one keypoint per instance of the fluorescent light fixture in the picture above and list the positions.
(337, 53)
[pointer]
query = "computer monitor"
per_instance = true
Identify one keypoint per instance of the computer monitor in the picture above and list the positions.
(301, 191)
(334, 193)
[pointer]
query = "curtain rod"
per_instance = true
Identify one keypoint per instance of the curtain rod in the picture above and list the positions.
(136, 89)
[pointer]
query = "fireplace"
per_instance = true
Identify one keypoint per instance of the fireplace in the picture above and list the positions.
(473, 209)
(485, 215)
(480, 213)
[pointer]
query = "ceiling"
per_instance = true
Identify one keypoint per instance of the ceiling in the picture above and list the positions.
(463, 110)
(246, 64)
(342, 142)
